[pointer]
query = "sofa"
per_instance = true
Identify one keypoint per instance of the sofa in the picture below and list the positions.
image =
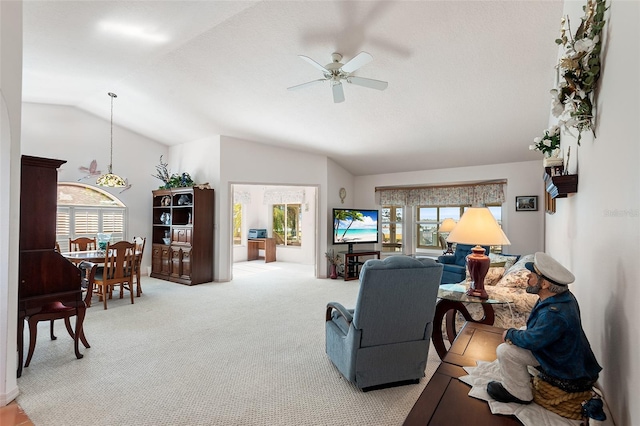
(507, 283)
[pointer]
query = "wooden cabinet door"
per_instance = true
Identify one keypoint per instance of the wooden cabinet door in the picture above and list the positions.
(186, 264)
(182, 235)
(176, 260)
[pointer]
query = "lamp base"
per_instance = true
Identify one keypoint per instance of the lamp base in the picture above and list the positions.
(478, 264)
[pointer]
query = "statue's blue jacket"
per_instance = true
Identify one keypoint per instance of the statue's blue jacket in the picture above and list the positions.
(555, 336)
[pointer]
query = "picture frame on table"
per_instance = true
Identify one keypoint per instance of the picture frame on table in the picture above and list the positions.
(526, 203)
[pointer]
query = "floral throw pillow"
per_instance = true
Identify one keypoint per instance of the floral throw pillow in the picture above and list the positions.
(493, 276)
(502, 260)
(517, 275)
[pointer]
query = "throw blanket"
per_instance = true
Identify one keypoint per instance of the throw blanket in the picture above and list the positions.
(531, 414)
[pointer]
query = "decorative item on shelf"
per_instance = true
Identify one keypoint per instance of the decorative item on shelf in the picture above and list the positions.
(446, 227)
(110, 179)
(103, 240)
(478, 226)
(167, 241)
(165, 218)
(579, 69)
(334, 260)
(189, 219)
(172, 180)
(165, 201)
(549, 145)
(184, 200)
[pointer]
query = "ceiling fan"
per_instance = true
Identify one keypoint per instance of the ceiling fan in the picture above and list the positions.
(336, 72)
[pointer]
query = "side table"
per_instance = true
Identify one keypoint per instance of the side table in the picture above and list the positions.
(445, 400)
(451, 300)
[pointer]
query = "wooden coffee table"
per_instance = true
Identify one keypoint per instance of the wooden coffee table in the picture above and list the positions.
(445, 400)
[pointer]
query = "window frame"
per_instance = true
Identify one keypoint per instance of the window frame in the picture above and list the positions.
(439, 219)
(282, 239)
(393, 246)
(68, 229)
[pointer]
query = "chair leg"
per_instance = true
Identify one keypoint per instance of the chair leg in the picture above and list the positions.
(80, 311)
(139, 288)
(76, 338)
(33, 334)
(131, 290)
(53, 336)
(67, 323)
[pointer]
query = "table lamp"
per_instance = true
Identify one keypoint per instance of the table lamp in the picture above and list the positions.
(447, 226)
(478, 226)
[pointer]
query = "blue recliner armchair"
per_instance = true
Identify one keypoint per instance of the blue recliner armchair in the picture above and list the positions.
(384, 341)
(455, 267)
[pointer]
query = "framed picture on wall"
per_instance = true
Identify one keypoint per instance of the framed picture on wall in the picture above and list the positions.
(526, 203)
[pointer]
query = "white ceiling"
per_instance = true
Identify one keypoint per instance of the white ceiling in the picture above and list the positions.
(468, 80)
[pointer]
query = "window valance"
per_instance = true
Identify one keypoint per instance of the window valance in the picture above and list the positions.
(284, 196)
(241, 197)
(474, 194)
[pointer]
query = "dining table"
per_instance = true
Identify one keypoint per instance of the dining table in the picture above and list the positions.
(98, 256)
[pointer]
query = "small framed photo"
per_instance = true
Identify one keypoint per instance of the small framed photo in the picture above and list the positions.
(527, 203)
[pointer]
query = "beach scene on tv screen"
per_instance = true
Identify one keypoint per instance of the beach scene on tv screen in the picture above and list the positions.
(355, 226)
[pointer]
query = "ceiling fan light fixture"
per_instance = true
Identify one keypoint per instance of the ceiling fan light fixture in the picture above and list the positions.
(335, 72)
(110, 179)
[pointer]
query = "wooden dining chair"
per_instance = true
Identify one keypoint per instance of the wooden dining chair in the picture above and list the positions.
(57, 310)
(83, 244)
(140, 243)
(118, 270)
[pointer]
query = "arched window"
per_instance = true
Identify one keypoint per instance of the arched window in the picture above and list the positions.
(84, 210)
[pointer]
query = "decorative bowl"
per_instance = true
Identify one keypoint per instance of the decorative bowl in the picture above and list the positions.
(167, 241)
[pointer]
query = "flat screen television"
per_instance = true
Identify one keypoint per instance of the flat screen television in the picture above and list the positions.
(355, 226)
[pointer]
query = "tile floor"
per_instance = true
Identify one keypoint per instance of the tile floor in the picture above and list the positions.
(12, 415)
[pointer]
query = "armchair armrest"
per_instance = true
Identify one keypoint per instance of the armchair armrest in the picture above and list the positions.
(341, 310)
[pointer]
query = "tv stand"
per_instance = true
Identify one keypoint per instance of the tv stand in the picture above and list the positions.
(352, 262)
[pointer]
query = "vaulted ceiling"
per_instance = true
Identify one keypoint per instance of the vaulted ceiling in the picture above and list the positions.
(468, 80)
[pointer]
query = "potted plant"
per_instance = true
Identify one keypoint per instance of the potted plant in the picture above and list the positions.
(334, 260)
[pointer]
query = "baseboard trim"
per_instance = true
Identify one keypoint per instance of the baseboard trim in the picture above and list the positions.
(6, 398)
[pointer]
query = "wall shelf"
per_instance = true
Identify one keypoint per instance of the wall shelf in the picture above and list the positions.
(559, 185)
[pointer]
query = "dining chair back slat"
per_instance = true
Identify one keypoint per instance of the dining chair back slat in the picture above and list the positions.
(82, 244)
(119, 270)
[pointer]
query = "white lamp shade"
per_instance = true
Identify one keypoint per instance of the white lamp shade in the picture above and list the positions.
(447, 225)
(478, 226)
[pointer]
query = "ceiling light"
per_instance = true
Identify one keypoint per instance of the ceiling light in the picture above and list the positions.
(110, 179)
(133, 31)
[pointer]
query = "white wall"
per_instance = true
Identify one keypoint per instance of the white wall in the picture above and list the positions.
(524, 229)
(66, 133)
(596, 232)
(10, 121)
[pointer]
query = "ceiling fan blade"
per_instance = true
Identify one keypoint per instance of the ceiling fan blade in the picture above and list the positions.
(315, 64)
(308, 83)
(338, 93)
(357, 61)
(368, 82)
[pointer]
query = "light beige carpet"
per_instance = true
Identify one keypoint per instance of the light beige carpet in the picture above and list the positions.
(247, 352)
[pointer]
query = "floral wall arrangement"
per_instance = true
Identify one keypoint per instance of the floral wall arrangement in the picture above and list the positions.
(578, 71)
(574, 97)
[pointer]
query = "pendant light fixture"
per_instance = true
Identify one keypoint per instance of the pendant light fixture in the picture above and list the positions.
(110, 179)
